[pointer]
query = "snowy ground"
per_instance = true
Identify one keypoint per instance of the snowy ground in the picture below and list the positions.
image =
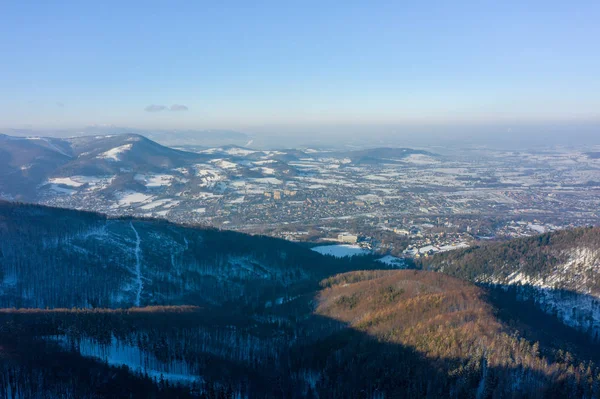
(130, 197)
(114, 154)
(154, 180)
(66, 181)
(76, 182)
(393, 261)
(224, 164)
(119, 353)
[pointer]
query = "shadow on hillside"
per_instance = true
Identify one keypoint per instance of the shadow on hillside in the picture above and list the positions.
(358, 365)
(560, 320)
(326, 359)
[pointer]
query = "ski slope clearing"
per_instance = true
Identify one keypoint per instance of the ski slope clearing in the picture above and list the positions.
(138, 268)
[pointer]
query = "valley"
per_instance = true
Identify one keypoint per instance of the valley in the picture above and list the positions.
(383, 195)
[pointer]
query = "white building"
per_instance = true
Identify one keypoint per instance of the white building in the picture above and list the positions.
(348, 238)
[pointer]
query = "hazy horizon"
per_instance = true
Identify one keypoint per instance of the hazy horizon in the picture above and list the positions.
(495, 74)
(506, 136)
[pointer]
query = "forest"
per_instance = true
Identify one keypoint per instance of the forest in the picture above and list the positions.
(128, 308)
(362, 334)
(535, 256)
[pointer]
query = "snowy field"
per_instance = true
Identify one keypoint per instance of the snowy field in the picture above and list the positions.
(154, 180)
(130, 197)
(393, 261)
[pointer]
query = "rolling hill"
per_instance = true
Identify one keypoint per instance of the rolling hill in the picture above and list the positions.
(33, 165)
(25, 162)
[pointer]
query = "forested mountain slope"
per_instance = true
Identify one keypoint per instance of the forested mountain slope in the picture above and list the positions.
(367, 334)
(62, 258)
(560, 271)
(257, 317)
(448, 337)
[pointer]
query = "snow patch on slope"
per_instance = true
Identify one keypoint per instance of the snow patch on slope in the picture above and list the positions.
(576, 274)
(119, 353)
(568, 291)
(115, 153)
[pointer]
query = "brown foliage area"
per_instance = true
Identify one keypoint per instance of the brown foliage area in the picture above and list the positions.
(440, 317)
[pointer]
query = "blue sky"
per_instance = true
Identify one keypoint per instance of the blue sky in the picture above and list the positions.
(255, 65)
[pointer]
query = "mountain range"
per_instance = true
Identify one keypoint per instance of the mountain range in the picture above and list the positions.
(128, 169)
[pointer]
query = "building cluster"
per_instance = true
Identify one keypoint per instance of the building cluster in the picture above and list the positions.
(279, 194)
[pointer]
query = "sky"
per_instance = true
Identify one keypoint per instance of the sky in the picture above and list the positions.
(299, 66)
